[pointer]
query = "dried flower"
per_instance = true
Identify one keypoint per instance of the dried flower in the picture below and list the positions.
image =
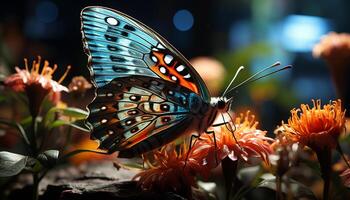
(247, 142)
(317, 127)
(282, 138)
(79, 85)
(167, 170)
(285, 151)
(37, 85)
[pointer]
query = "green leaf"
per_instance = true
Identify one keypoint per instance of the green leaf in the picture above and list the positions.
(48, 158)
(50, 116)
(73, 112)
(58, 123)
(79, 124)
(26, 122)
(11, 163)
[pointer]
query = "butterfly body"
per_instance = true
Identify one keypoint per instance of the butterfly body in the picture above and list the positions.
(147, 93)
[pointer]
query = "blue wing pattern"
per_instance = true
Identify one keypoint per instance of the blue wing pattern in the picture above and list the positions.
(135, 114)
(120, 46)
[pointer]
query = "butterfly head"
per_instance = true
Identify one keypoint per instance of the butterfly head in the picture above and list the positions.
(222, 104)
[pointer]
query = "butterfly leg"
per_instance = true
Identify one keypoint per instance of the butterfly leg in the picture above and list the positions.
(219, 124)
(234, 130)
(216, 146)
(229, 125)
(197, 137)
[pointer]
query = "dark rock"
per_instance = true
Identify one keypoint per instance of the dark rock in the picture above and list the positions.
(101, 181)
(107, 191)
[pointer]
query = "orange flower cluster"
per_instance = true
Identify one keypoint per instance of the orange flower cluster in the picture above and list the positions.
(317, 127)
(246, 141)
(172, 170)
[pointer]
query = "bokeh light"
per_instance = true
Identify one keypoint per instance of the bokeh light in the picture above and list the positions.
(183, 20)
(46, 11)
(300, 32)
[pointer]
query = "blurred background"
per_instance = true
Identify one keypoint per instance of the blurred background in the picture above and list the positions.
(217, 36)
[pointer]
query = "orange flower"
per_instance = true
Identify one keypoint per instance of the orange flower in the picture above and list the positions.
(24, 78)
(334, 47)
(167, 171)
(248, 142)
(317, 127)
(36, 84)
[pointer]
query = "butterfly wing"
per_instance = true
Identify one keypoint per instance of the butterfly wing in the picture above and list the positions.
(135, 114)
(120, 46)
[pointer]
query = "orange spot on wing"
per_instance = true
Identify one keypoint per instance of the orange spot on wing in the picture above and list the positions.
(171, 69)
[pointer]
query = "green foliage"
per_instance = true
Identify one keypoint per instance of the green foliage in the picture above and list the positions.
(11, 163)
(78, 124)
(48, 158)
(73, 117)
(37, 129)
(75, 113)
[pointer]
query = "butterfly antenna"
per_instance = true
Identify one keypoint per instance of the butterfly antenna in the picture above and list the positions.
(229, 85)
(253, 77)
(260, 77)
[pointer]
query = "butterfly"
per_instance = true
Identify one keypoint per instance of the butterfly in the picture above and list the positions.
(147, 93)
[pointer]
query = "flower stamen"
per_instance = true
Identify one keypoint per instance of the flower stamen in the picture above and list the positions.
(65, 74)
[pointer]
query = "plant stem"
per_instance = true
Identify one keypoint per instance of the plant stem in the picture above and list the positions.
(35, 194)
(33, 136)
(279, 187)
(34, 148)
(324, 158)
(229, 169)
